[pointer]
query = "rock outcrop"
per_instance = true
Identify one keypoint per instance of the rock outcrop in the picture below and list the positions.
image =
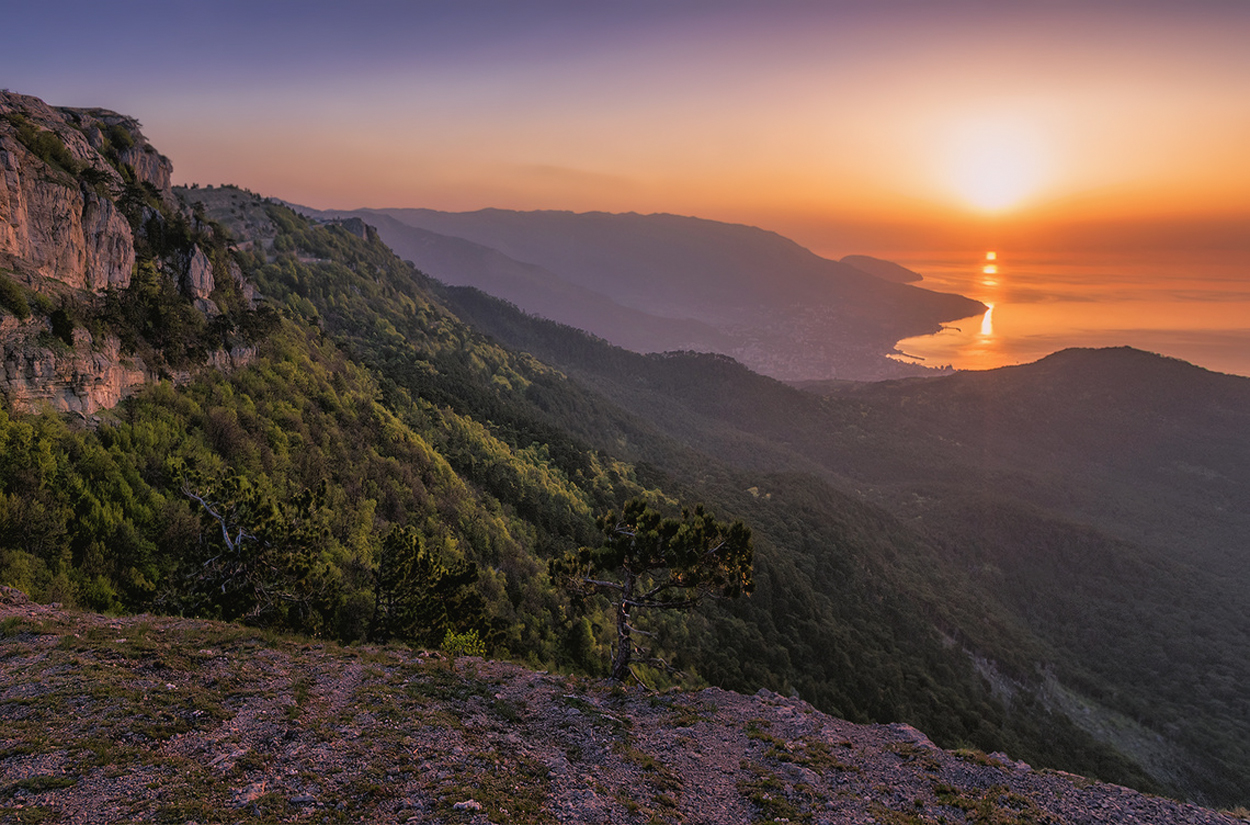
(58, 222)
(87, 379)
(78, 188)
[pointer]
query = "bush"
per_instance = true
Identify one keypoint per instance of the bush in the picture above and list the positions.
(13, 298)
(44, 144)
(63, 326)
(463, 644)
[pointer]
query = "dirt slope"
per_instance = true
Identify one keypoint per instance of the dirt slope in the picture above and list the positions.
(157, 719)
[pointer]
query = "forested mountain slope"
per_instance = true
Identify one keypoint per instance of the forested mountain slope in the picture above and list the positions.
(1087, 513)
(373, 467)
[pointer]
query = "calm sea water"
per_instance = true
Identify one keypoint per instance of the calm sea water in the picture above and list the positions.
(1196, 309)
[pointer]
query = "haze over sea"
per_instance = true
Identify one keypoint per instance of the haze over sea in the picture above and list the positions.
(1194, 306)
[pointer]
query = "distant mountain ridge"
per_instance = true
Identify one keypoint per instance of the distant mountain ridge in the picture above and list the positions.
(729, 288)
(886, 270)
(459, 262)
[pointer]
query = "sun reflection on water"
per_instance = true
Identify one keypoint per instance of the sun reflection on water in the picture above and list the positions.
(987, 322)
(1185, 306)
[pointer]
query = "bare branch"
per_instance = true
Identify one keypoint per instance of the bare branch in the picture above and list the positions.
(221, 520)
(600, 583)
(677, 604)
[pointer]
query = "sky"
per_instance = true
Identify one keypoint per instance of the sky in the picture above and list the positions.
(849, 126)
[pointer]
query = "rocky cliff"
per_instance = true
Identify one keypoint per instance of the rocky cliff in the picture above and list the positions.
(85, 201)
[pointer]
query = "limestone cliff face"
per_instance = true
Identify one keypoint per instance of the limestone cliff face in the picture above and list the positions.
(76, 185)
(63, 223)
(87, 378)
(198, 282)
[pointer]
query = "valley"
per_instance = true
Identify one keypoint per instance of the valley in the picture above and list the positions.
(324, 440)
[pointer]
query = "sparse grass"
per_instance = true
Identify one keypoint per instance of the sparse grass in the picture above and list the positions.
(630, 804)
(301, 692)
(766, 793)
(663, 785)
(613, 724)
(510, 788)
(995, 805)
(916, 754)
(636, 757)
(17, 625)
(779, 749)
(188, 810)
(689, 715)
(815, 754)
(507, 710)
(27, 815)
(38, 784)
(445, 686)
(975, 756)
(250, 762)
(889, 816)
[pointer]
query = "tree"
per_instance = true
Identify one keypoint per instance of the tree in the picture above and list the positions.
(260, 559)
(420, 598)
(650, 561)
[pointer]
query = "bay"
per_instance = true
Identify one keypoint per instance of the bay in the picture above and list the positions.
(1192, 306)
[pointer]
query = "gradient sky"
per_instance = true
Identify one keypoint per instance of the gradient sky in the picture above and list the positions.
(840, 124)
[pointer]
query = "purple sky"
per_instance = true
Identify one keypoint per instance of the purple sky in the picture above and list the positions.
(822, 120)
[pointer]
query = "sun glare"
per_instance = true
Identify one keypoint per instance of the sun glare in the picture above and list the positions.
(995, 165)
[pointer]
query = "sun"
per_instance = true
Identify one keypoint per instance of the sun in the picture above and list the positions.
(994, 165)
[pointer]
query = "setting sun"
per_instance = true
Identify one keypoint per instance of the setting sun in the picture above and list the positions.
(995, 165)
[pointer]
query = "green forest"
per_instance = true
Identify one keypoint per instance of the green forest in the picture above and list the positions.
(398, 461)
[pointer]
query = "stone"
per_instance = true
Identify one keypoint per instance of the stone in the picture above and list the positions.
(198, 280)
(110, 245)
(57, 226)
(245, 796)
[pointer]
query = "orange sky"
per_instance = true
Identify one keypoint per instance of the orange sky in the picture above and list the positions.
(848, 128)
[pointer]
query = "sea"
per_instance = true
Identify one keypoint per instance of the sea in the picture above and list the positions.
(1191, 306)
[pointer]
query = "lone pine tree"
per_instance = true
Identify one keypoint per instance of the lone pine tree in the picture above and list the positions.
(649, 560)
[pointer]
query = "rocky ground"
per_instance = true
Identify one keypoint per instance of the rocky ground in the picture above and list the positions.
(157, 719)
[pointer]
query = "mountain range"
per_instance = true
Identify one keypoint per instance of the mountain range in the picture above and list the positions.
(655, 283)
(215, 407)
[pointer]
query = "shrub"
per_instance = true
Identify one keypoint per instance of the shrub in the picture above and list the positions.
(62, 326)
(44, 144)
(463, 644)
(13, 298)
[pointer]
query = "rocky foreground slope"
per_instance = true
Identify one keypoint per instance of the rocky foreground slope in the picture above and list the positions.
(156, 719)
